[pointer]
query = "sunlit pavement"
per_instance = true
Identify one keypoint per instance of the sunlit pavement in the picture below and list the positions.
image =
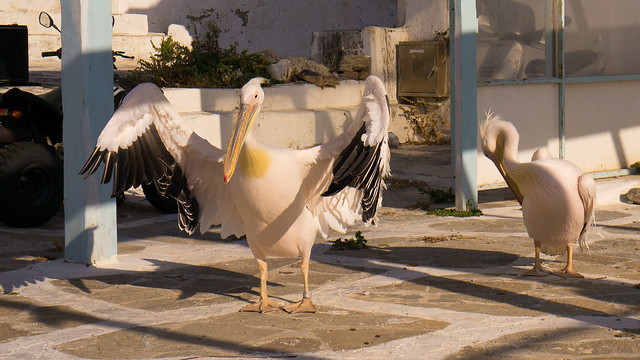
(426, 287)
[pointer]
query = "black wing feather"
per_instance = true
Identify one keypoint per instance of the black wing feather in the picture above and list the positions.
(120, 175)
(92, 164)
(359, 166)
(109, 161)
(147, 160)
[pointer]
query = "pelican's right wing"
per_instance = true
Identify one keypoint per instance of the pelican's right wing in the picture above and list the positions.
(147, 141)
(587, 192)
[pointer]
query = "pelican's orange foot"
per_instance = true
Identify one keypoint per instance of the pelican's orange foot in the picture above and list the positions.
(303, 306)
(262, 306)
(538, 271)
(568, 274)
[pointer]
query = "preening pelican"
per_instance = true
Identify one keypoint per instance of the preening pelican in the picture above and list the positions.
(557, 198)
(279, 198)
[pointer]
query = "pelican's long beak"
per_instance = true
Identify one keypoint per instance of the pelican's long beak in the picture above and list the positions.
(241, 126)
(498, 159)
(510, 182)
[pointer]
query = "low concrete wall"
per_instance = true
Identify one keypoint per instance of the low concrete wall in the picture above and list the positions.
(277, 97)
(294, 115)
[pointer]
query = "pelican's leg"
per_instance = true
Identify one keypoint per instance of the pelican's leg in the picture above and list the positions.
(568, 270)
(538, 269)
(264, 304)
(305, 305)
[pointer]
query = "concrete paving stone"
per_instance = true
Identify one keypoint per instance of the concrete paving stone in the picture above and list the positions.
(19, 250)
(19, 317)
(629, 228)
(607, 215)
(167, 231)
(560, 343)
(513, 296)
(207, 284)
(484, 225)
(252, 334)
(418, 252)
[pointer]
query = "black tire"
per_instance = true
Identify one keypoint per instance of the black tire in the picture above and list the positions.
(31, 184)
(165, 204)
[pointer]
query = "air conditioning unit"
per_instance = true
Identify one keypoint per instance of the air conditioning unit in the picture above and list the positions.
(14, 54)
(423, 69)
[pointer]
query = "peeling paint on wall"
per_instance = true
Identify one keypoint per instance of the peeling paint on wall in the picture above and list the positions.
(282, 25)
(243, 15)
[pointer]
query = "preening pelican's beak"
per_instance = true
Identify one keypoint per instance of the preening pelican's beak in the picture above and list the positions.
(510, 182)
(498, 158)
(244, 121)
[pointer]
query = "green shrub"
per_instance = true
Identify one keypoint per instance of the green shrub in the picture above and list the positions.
(439, 196)
(357, 243)
(205, 64)
(456, 213)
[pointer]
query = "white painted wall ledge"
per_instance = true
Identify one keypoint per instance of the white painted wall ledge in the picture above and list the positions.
(293, 115)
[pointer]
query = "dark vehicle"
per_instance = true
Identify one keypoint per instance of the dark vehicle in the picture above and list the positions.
(30, 157)
(31, 152)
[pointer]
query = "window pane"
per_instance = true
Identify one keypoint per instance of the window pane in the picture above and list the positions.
(602, 37)
(515, 39)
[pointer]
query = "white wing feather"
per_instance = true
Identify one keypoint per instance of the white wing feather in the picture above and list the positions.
(198, 159)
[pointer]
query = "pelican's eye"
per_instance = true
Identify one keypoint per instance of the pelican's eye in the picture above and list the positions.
(256, 96)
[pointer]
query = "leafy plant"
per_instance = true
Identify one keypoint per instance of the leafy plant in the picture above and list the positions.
(399, 183)
(437, 239)
(357, 243)
(425, 121)
(439, 196)
(456, 213)
(204, 64)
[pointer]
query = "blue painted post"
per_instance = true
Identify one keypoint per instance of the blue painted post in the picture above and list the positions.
(87, 95)
(464, 86)
(561, 75)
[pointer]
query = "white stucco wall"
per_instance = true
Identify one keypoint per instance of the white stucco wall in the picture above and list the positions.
(423, 18)
(282, 25)
(533, 110)
(602, 123)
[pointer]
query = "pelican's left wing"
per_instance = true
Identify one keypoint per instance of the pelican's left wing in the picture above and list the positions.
(346, 177)
(147, 141)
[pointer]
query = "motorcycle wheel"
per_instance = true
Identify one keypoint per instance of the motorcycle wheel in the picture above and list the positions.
(162, 203)
(31, 184)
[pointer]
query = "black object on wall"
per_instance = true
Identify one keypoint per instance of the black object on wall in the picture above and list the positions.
(14, 54)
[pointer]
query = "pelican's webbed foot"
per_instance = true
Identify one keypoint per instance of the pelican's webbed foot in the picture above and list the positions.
(262, 306)
(568, 274)
(538, 271)
(303, 306)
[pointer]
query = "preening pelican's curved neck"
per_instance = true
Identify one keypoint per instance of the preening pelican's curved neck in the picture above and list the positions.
(507, 139)
(500, 144)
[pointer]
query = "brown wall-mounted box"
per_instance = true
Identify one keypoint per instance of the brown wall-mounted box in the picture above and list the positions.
(423, 69)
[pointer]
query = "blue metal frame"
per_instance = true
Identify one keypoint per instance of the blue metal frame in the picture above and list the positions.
(561, 76)
(569, 80)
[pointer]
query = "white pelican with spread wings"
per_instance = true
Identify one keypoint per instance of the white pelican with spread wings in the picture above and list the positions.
(279, 198)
